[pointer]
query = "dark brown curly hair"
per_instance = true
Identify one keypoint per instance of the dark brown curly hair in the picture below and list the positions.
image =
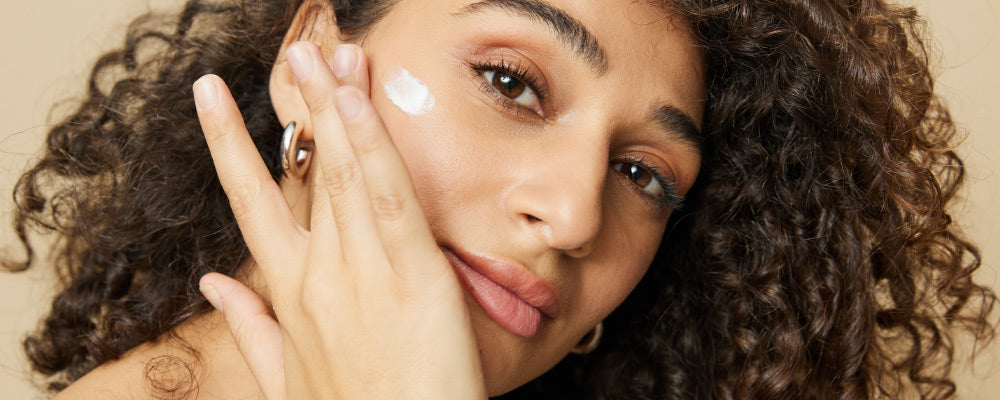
(815, 259)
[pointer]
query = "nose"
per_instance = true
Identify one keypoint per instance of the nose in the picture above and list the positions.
(559, 198)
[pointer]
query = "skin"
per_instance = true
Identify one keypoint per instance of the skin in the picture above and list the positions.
(474, 174)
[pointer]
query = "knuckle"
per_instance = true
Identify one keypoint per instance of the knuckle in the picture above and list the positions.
(342, 213)
(388, 206)
(312, 297)
(240, 328)
(243, 198)
(340, 176)
(215, 133)
(321, 104)
(365, 142)
(221, 132)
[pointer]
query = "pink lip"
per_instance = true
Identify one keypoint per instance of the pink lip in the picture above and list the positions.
(509, 293)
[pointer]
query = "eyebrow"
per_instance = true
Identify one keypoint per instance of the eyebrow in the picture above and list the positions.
(570, 31)
(672, 119)
(573, 34)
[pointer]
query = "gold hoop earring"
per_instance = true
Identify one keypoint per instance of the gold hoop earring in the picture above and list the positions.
(294, 163)
(590, 341)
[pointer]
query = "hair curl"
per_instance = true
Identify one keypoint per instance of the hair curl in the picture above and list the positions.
(816, 258)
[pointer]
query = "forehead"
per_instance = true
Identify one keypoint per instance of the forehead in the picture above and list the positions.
(624, 27)
(645, 43)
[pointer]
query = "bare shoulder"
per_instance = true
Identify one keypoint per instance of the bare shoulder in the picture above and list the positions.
(121, 379)
(198, 361)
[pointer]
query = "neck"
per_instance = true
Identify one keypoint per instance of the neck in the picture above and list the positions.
(198, 359)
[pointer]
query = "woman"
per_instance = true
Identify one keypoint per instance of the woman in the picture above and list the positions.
(811, 258)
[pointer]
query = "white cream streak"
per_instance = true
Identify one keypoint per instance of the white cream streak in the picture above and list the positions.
(408, 93)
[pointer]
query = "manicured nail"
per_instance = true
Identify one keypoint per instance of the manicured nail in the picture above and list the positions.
(300, 61)
(206, 94)
(345, 60)
(211, 295)
(349, 104)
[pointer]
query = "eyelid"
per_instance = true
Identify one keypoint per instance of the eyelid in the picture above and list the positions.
(520, 70)
(671, 197)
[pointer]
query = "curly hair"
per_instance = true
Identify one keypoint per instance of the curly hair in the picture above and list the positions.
(815, 258)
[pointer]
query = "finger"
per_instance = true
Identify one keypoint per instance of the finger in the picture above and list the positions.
(325, 238)
(255, 331)
(403, 229)
(267, 224)
(351, 67)
(342, 178)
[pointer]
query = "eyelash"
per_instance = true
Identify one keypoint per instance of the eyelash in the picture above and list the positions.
(670, 199)
(518, 72)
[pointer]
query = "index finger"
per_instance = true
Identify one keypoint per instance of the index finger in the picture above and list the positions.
(263, 215)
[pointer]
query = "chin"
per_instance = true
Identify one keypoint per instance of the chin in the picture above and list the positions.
(500, 352)
(509, 361)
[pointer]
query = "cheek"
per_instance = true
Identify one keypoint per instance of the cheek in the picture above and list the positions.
(408, 93)
(610, 285)
(437, 151)
(626, 248)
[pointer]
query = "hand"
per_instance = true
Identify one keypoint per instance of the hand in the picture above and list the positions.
(369, 305)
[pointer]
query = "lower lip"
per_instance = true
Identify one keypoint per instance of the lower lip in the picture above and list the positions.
(505, 307)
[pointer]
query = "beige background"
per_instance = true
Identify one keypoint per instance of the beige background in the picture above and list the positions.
(47, 48)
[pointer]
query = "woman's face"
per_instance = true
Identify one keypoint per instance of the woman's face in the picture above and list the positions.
(562, 133)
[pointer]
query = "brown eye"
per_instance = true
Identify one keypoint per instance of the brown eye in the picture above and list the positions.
(508, 85)
(641, 176)
(513, 88)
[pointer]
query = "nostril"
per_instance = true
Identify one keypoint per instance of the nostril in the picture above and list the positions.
(581, 251)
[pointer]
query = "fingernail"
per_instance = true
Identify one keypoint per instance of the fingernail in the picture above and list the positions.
(206, 95)
(211, 295)
(299, 60)
(345, 60)
(348, 104)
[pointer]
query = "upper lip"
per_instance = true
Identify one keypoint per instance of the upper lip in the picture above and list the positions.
(516, 278)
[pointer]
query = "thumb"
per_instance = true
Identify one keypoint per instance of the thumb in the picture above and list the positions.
(255, 330)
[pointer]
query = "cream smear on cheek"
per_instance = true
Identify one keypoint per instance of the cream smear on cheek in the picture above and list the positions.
(408, 93)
